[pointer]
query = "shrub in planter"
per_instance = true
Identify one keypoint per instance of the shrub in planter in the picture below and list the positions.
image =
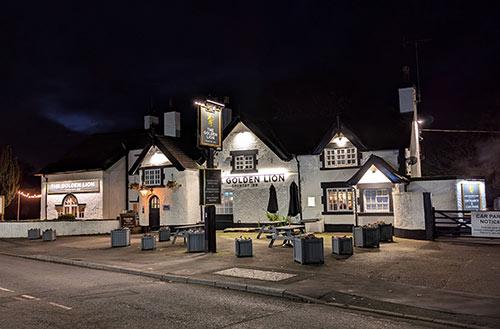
(386, 232)
(120, 237)
(366, 236)
(66, 217)
(49, 235)
(243, 247)
(308, 249)
(195, 241)
(164, 234)
(148, 242)
(342, 245)
(34, 234)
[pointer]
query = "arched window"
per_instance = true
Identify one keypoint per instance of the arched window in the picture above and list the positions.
(70, 205)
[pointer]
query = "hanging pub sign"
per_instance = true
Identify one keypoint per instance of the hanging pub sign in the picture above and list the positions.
(210, 124)
(210, 186)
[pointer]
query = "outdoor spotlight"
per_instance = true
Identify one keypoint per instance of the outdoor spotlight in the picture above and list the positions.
(144, 191)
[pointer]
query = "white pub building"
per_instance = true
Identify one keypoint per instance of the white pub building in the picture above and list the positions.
(352, 173)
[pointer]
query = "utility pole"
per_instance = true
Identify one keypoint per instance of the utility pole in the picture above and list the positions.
(18, 205)
(416, 43)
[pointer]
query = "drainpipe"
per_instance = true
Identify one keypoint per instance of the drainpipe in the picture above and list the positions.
(300, 186)
(46, 193)
(126, 177)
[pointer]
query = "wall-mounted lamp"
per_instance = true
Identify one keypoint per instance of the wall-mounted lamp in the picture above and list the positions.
(144, 191)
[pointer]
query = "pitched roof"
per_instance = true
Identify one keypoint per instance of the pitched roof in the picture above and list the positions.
(98, 152)
(381, 165)
(171, 148)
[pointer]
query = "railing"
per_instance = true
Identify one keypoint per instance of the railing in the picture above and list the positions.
(454, 222)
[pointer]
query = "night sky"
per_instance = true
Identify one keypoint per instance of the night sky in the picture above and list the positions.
(70, 68)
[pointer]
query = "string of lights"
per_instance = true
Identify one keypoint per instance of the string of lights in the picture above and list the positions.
(29, 196)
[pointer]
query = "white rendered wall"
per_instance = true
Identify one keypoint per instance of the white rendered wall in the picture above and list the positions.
(78, 227)
(250, 203)
(94, 200)
(114, 184)
(443, 192)
(409, 210)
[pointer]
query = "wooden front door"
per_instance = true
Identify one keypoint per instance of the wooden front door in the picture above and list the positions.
(154, 213)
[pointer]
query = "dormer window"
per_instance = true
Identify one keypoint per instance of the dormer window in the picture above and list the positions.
(340, 153)
(341, 157)
(244, 161)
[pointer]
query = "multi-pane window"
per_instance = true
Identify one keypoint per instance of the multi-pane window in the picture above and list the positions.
(70, 206)
(244, 162)
(339, 199)
(152, 177)
(376, 200)
(226, 206)
(340, 157)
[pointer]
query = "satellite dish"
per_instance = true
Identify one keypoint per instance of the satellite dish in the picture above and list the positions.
(412, 160)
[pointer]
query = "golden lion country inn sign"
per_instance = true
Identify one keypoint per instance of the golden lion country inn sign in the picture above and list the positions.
(82, 186)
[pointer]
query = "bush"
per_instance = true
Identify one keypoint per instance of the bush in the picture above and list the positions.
(66, 217)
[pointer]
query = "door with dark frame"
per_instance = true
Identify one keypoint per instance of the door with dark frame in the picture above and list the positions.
(154, 213)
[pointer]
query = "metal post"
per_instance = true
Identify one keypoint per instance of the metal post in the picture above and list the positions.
(210, 236)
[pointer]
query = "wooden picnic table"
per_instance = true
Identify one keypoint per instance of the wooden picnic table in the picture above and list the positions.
(181, 231)
(285, 233)
(268, 226)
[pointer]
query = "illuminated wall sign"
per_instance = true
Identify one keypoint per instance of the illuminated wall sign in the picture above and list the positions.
(253, 180)
(471, 196)
(80, 186)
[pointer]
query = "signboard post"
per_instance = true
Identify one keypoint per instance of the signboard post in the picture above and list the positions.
(2, 207)
(210, 138)
(485, 224)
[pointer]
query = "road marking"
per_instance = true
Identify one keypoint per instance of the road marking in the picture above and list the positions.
(60, 306)
(29, 297)
(5, 289)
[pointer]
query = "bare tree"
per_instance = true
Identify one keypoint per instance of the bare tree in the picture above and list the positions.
(10, 174)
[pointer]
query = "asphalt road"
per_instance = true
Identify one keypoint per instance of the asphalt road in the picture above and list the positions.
(43, 295)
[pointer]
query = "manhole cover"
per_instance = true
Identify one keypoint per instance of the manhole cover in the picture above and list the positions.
(255, 274)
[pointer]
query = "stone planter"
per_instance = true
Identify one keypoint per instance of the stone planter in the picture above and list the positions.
(148, 242)
(164, 234)
(366, 237)
(34, 234)
(386, 232)
(49, 235)
(308, 250)
(195, 241)
(243, 247)
(120, 237)
(342, 245)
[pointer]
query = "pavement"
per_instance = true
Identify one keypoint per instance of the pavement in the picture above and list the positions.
(445, 282)
(44, 295)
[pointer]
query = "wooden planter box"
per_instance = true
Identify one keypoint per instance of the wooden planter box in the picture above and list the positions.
(195, 241)
(243, 248)
(120, 237)
(308, 251)
(34, 234)
(148, 242)
(386, 232)
(164, 234)
(49, 235)
(366, 237)
(342, 245)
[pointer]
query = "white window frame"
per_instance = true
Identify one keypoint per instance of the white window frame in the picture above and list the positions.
(227, 203)
(244, 162)
(375, 203)
(341, 157)
(346, 194)
(152, 177)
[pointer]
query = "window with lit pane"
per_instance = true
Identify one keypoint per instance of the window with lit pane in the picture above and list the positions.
(226, 206)
(339, 199)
